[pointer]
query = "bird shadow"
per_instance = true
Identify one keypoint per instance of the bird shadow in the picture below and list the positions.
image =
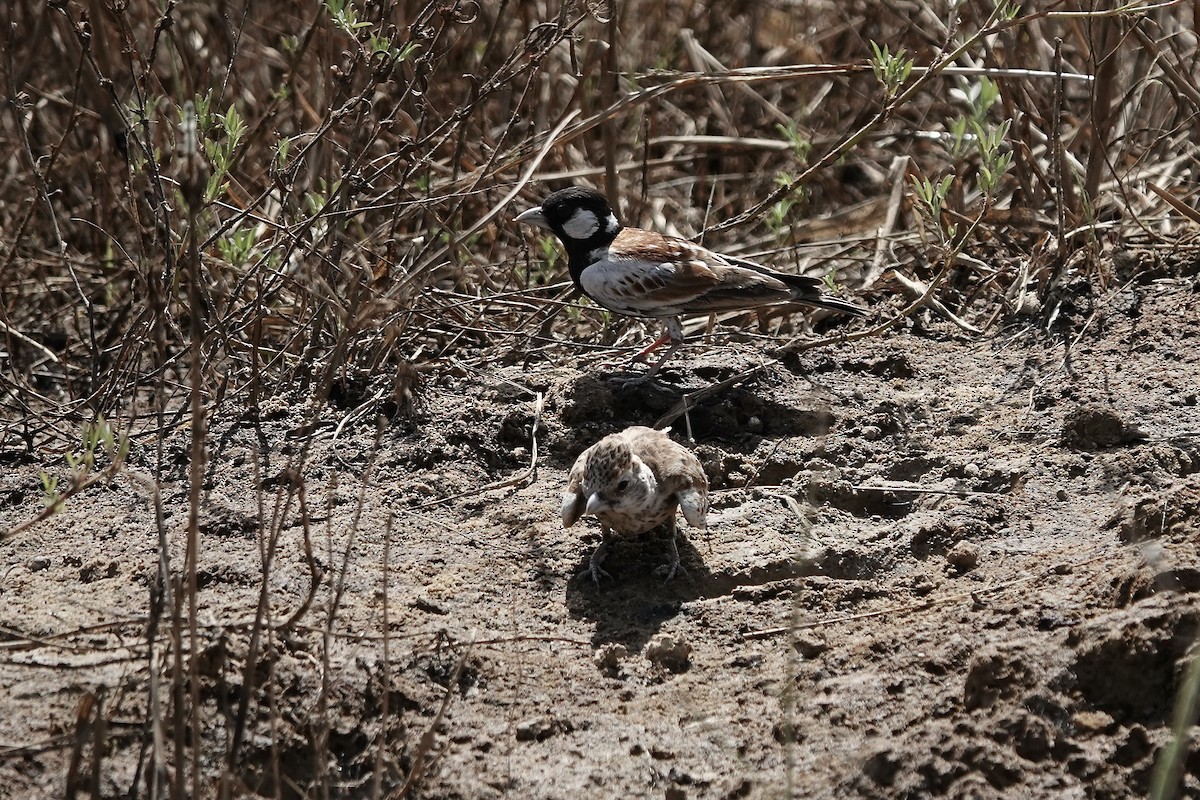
(632, 605)
(595, 406)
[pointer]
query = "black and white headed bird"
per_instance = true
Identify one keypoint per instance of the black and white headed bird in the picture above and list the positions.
(641, 273)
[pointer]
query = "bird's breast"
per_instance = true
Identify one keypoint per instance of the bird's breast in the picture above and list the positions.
(631, 287)
(632, 523)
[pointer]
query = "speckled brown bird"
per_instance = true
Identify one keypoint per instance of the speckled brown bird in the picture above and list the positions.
(641, 273)
(632, 482)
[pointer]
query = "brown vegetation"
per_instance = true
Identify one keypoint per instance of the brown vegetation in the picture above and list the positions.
(295, 218)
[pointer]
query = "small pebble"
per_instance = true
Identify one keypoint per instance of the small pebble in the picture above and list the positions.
(871, 432)
(810, 646)
(963, 556)
(1093, 721)
(428, 606)
(971, 470)
(1029, 305)
(38, 564)
(536, 729)
(922, 585)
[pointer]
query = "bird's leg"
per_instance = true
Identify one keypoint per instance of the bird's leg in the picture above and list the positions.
(672, 566)
(657, 343)
(672, 332)
(597, 559)
(641, 356)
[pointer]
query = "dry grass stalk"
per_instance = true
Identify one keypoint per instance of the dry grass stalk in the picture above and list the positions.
(350, 240)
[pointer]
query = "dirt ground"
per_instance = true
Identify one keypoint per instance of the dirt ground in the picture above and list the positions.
(936, 565)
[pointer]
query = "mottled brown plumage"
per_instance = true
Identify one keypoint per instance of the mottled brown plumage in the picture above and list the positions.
(632, 482)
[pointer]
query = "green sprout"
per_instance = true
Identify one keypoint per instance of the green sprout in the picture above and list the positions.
(237, 246)
(96, 438)
(345, 16)
(218, 147)
(51, 498)
(891, 69)
(549, 251)
(801, 146)
(282, 149)
(993, 162)
(931, 199)
(969, 137)
(779, 214)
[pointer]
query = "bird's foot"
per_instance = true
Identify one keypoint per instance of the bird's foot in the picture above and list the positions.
(670, 569)
(628, 380)
(642, 357)
(651, 378)
(672, 566)
(595, 572)
(595, 561)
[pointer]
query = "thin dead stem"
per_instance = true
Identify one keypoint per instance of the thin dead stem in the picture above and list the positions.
(327, 238)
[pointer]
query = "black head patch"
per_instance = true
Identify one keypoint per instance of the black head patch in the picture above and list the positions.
(581, 215)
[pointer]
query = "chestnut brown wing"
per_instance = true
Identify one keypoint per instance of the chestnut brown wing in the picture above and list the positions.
(648, 274)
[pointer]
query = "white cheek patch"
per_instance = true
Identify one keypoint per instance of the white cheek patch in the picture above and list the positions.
(582, 225)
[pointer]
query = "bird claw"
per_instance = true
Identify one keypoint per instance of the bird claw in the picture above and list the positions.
(651, 378)
(595, 561)
(672, 567)
(596, 572)
(670, 570)
(632, 365)
(627, 381)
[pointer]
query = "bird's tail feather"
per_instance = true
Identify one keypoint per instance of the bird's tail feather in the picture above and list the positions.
(832, 304)
(805, 289)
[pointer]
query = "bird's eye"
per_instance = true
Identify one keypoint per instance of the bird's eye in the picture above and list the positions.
(622, 484)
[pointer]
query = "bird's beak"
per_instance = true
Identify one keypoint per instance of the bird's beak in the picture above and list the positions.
(595, 502)
(533, 216)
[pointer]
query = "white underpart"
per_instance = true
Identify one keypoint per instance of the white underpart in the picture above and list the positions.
(582, 225)
(609, 282)
(599, 254)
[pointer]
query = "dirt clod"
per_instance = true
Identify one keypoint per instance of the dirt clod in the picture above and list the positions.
(609, 657)
(963, 557)
(672, 653)
(537, 729)
(1097, 428)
